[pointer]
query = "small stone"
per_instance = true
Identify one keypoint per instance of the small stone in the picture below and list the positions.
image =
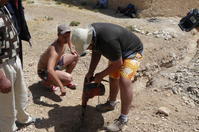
(196, 130)
(197, 117)
(156, 90)
(163, 110)
(168, 94)
(176, 110)
(186, 122)
(137, 118)
(193, 32)
(174, 90)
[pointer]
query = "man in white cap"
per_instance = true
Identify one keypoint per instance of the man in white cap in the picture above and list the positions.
(124, 50)
(54, 60)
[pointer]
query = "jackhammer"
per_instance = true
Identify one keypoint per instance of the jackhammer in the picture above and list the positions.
(91, 90)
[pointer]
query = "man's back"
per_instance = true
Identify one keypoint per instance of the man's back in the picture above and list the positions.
(118, 39)
(44, 59)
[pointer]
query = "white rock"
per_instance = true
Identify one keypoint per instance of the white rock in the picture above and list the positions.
(164, 110)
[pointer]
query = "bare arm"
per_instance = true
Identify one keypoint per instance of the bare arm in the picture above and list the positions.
(5, 84)
(71, 47)
(93, 64)
(94, 61)
(50, 67)
(114, 66)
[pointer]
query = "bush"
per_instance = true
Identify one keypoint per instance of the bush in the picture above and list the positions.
(30, 2)
(74, 23)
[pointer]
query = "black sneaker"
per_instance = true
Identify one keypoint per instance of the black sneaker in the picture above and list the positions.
(31, 120)
(118, 125)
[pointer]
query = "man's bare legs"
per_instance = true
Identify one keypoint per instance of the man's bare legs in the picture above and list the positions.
(70, 62)
(114, 89)
(64, 77)
(126, 94)
(110, 104)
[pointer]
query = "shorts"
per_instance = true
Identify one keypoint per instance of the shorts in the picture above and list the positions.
(129, 68)
(43, 73)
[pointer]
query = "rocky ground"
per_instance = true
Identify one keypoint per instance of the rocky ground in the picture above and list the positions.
(166, 91)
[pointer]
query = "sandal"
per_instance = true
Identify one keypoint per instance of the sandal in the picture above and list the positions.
(54, 88)
(50, 86)
(71, 86)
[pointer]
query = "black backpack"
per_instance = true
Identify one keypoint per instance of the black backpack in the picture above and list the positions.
(190, 21)
(130, 10)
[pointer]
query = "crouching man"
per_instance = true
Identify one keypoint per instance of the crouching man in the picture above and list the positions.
(54, 60)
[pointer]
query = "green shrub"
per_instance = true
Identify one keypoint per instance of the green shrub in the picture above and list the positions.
(74, 23)
(30, 2)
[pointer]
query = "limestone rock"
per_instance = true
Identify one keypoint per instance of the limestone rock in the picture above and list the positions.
(163, 110)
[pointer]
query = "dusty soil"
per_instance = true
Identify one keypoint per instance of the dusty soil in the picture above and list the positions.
(151, 8)
(168, 76)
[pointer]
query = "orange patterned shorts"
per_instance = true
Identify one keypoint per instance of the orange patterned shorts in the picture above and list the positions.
(129, 68)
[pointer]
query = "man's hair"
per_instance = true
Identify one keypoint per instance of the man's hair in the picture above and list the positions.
(62, 34)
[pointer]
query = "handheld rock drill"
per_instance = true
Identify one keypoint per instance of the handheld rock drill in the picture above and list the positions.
(91, 90)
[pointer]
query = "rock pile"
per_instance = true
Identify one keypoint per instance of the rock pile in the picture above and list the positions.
(157, 34)
(186, 80)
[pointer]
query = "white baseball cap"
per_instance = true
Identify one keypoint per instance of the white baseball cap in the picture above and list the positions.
(63, 28)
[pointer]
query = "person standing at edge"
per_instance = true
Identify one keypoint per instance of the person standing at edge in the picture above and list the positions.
(13, 96)
(16, 9)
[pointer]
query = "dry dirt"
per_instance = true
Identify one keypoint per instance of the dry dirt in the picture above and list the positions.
(168, 77)
(151, 8)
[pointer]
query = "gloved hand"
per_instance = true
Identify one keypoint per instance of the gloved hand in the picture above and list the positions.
(5, 84)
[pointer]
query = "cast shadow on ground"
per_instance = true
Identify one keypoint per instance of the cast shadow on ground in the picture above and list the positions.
(38, 90)
(68, 119)
(88, 6)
